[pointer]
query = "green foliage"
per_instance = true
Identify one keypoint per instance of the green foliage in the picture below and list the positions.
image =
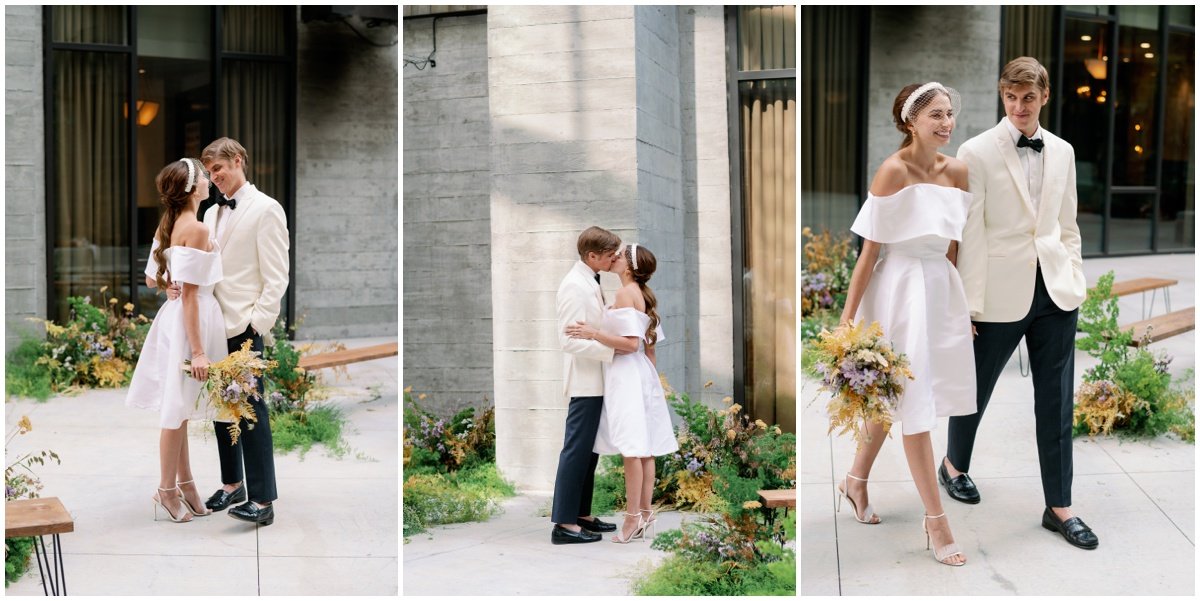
(287, 385)
(1104, 338)
(17, 552)
(445, 444)
(301, 430)
(468, 495)
(826, 268)
(823, 319)
(608, 489)
(1160, 407)
(23, 376)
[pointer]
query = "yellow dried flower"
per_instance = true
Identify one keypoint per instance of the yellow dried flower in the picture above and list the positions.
(727, 400)
(421, 396)
(730, 434)
(721, 413)
(760, 423)
(735, 408)
(751, 505)
(708, 384)
(24, 424)
(778, 431)
(103, 288)
(408, 389)
(128, 307)
(112, 301)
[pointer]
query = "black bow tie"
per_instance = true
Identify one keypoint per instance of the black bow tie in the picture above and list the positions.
(597, 278)
(224, 201)
(1036, 145)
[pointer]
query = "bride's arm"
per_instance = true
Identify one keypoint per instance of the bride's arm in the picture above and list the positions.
(621, 344)
(862, 276)
(196, 237)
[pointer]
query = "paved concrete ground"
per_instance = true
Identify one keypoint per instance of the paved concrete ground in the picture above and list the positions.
(1138, 496)
(511, 554)
(336, 530)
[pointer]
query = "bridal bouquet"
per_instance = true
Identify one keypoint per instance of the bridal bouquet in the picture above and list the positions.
(864, 374)
(232, 382)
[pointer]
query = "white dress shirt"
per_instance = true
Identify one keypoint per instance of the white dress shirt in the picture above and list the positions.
(1031, 162)
(223, 211)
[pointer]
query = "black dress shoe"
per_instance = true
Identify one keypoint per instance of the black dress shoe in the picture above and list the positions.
(221, 499)
(595, 525)
(562, 536)
(961, 488)
(250, 512)
(1074, 530)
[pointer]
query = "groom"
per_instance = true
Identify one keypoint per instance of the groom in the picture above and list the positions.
(1023, 274)
(580, 299)
(252, 235)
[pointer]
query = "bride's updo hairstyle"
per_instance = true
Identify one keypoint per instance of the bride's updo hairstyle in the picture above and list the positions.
(642, 265)
(176, 183)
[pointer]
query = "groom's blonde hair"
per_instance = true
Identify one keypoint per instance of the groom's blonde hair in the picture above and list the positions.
(1024, 70)
(224, 148)
(596, 240)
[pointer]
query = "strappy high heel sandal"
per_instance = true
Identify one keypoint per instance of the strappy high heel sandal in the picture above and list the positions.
(638, 532)
(192, 508)
(867, 513)
(185, 516)
(650, 521)
(942, 553)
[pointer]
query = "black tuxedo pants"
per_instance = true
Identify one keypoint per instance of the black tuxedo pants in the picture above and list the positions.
(1050, 339)
(254, 447)
(576, 462)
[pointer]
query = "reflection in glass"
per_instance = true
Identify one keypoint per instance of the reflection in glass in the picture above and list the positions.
(90, 210)
(254, 29)
(1177, 205)
(1136, 115)
(767, 35)
(88, 24)
(1129, 222)
(1084, 115)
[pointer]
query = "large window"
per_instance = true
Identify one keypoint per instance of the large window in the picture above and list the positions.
(130, 89)
(763, 157)
(1123, 94)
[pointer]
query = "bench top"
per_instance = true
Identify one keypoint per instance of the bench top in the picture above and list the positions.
(354, 355)
(35, 517)
(778, 498)
(1140, 285)
(1165, 326)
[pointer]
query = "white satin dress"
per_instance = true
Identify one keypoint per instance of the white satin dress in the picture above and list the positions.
(159, 382)
(917, 296)
(635, 420)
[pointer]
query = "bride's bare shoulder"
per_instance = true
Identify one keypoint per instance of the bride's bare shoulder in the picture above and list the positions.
(891, 177)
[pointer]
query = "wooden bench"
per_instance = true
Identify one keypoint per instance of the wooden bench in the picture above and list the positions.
(336, 358)
(1144, 285)
(1163, 326)
(37, 518)
(774, 499)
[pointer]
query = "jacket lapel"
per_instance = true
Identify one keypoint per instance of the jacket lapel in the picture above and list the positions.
(236, 216)
(1008, 151)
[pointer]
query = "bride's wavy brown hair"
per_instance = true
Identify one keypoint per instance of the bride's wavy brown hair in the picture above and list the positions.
(646, 265)
(171, 182)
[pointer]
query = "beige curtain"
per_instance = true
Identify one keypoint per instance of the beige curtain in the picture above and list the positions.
(254, 29)
(89, 24)
(91, 200)
(768, 122)
(831, 89)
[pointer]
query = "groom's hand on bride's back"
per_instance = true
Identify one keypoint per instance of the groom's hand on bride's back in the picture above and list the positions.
(173, 291)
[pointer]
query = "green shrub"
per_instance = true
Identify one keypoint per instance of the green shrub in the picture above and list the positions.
(16, 558)
(469, 495)
(297, 429)
(23, 376)
(447, 444)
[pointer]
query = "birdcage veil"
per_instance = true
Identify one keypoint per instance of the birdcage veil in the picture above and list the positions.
(924, 95)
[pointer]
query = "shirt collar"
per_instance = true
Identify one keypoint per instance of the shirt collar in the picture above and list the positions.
(243, 192)
(1016, 133)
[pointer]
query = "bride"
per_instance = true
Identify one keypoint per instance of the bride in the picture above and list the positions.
(187, 328)
(634, 421)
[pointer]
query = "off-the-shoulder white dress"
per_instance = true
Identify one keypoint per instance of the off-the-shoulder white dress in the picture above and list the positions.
(158, 381)
(917, 296)
(635, 421)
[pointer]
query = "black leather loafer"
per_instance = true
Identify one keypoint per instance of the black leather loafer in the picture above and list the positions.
(596, 525)
(562, 536)
(1074, 530)
(249, 512)
(221, 499)
(961, 488)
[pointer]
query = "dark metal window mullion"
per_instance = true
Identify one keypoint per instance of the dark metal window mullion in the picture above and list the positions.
(51, 167)
(293, 111)
(1160, 110)
(1110, 131)
(735, 206)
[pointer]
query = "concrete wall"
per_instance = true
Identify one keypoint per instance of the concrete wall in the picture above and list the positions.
(346, 185)
(564, 156)
(909, 44)
(24, 173)
(704, 122)
(447, 223)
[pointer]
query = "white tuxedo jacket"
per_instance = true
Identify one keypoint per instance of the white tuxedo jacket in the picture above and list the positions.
(584, 361)
(1005, 238)
(254, 254)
